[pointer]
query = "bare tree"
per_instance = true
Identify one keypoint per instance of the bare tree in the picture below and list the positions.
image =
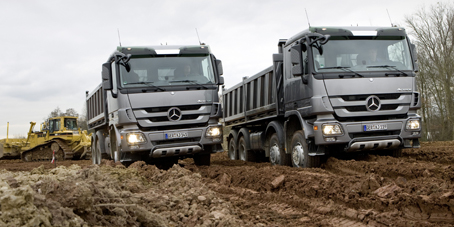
(70, 112)
(55, 113)
(433, 30)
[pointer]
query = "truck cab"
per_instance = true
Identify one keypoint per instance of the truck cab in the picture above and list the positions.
(354, 86)
(159, 103)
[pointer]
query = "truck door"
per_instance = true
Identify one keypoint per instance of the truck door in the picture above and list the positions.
(295, 92)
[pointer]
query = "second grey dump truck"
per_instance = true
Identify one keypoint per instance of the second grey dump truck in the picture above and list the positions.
(330, 89)
(157, 104)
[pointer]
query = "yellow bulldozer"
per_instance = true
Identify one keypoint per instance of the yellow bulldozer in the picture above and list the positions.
(59, 138)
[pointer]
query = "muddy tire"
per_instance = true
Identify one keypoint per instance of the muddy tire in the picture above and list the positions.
(96, 153)
(300, 152)
(202, 159)
(243, 153)
(232, 152)
(116, 155)
(277, 153)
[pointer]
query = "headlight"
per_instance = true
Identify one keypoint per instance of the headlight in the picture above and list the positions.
(331, 129)
(213, 131)
(413, 124)
(135, 138)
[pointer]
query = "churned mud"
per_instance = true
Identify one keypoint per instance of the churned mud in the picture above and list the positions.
(362, 190)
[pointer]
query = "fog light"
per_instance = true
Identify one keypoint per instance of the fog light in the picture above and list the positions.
(213, 131)
(134, 138)
(331, 129)
(413, 124)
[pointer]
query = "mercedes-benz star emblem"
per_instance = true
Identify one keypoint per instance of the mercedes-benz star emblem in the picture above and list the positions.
(174, 114)
(373, 103)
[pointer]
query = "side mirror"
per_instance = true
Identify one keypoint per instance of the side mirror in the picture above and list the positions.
(415, 57)
(219, 67)
(221, 80)
(107, 76)
(278, 58)
(296, 59)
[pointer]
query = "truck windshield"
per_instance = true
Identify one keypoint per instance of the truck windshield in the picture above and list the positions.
(365, 53)
(168, 70)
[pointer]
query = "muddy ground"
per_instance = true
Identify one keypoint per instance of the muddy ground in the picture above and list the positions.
(369, 190)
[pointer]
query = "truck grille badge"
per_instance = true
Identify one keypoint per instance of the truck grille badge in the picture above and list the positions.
(373, 103)
(174, 114)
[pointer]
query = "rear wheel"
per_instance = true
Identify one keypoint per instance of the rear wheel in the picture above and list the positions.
(300, 152)
(243, 152)
(277, 153)
(232, 149)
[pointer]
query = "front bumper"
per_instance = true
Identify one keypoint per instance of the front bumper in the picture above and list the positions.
(171, 142)
(358, 136)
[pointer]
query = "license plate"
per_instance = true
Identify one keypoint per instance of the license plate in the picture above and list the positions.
(375, 127)
(176, 135)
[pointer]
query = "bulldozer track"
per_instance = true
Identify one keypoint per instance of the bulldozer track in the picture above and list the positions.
(45, 152)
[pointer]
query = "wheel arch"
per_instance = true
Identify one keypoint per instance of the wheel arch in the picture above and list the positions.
(294, 123)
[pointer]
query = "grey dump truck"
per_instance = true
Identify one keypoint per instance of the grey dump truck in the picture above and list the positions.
(157, 104)
(329, 90)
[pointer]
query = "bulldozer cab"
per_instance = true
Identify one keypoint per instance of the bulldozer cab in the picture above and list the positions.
(54, 125)
(71, 124)
(59, 124)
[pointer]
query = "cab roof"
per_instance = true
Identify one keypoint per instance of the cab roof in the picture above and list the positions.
(350, 31)
(165, 50)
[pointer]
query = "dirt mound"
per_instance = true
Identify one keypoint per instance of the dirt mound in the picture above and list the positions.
(140, 195)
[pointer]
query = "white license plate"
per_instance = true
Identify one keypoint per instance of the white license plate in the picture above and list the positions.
(176, 135)
(375, 127)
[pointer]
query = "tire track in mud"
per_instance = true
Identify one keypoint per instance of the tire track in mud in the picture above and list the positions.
(373, 190)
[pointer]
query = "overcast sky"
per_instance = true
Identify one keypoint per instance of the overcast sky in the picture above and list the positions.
(52, 50)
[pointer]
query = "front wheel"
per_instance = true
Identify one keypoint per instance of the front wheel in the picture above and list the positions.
(96, 153)
(300, 152)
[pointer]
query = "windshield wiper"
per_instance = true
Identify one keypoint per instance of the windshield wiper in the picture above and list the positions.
(346, 69)
(388, 67)
(188, 81)
(149, 84)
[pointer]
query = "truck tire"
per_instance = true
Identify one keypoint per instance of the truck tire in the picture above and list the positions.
(96, 153)
(277, 153)
(300, 152)
(232, 152)
(243, 153)
(202, 159)
(116, 155)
